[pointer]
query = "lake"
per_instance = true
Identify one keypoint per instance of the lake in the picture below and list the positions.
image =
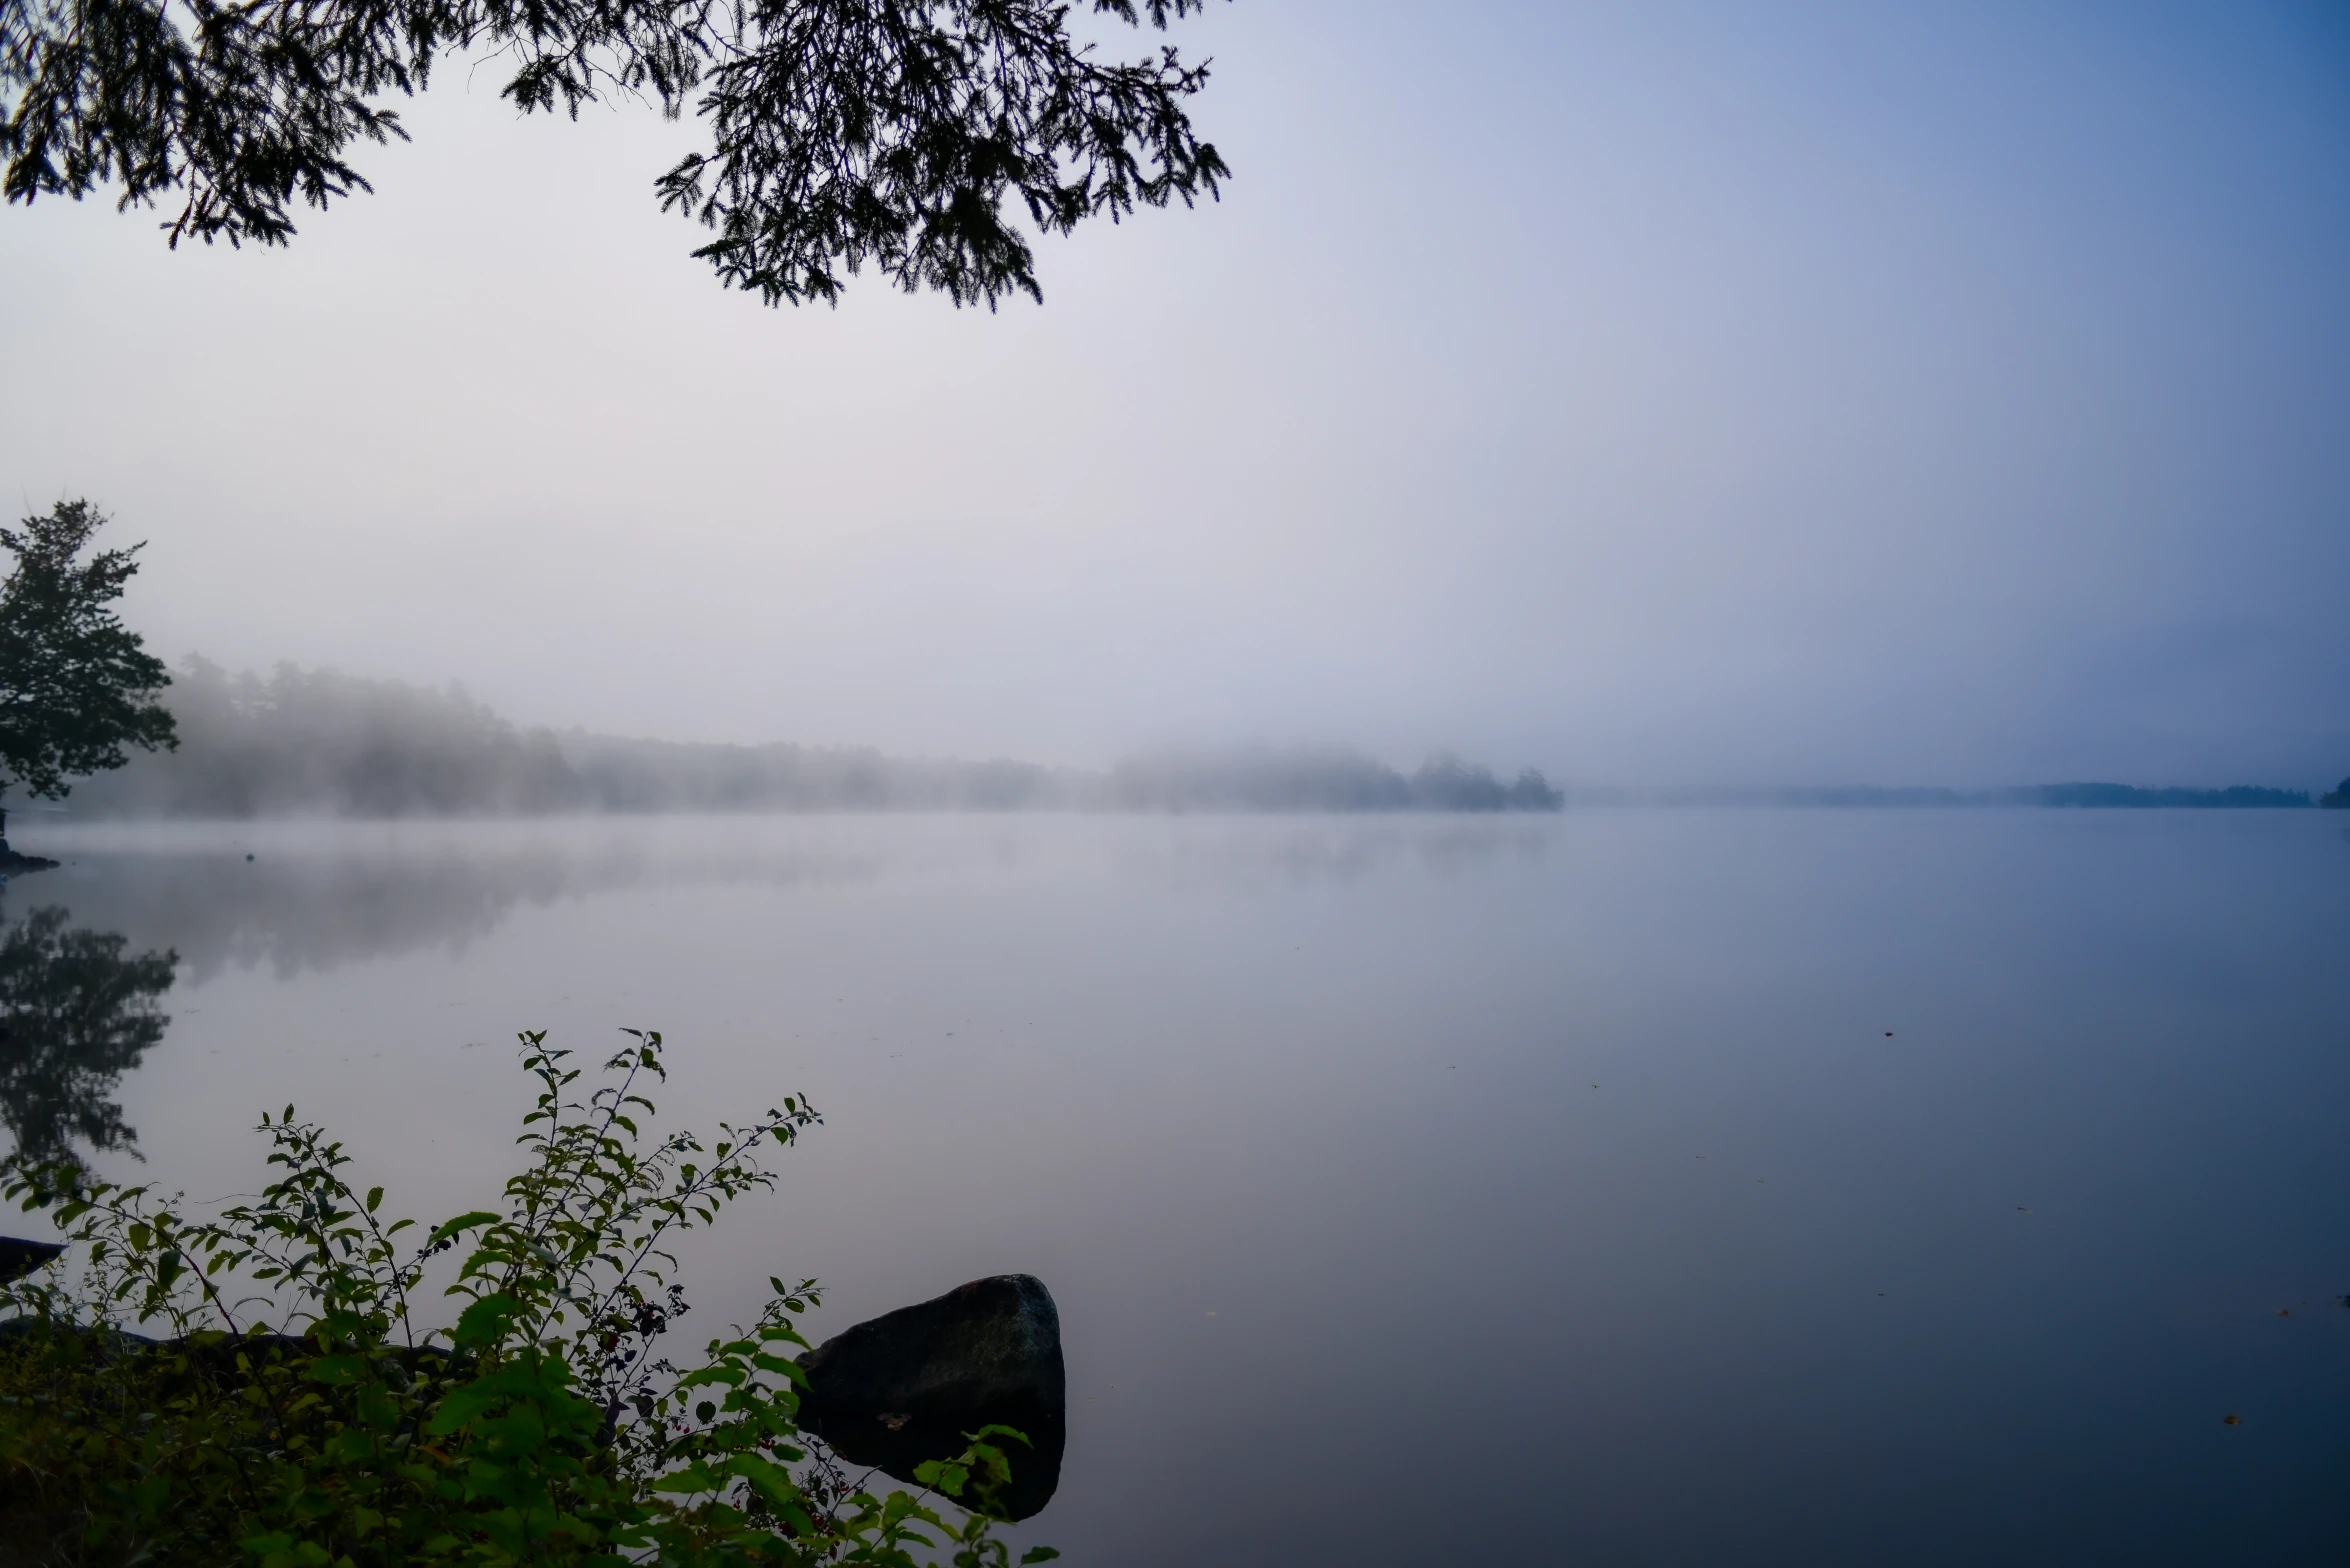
(1623, 1187)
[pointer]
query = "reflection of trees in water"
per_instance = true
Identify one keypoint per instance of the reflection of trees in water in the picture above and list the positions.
(304, 913)
(320, 896)
(76, 1013)
(303, 898)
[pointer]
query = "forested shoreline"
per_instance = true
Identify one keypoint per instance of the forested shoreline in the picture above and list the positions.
(316, 743)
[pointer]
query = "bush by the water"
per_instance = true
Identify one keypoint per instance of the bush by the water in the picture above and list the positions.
(299, 1408)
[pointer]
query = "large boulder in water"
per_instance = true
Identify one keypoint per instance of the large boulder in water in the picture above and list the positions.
(908, 1385)
(19, 1257)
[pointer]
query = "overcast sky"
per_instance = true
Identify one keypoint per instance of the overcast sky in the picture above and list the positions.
(1652, 393)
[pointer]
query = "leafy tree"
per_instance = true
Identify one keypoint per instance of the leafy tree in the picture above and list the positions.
(845, 132)
(75, 684)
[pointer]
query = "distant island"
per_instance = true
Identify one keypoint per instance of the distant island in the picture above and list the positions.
(315, 743)
(2097, 795)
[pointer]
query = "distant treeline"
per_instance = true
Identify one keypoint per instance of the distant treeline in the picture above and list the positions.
(1261, 779)
(2129, 795)
(2102, 795)
(306, 742)
(612, 774)
(314, 743)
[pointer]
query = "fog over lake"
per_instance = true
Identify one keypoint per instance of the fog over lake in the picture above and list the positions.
(1690, 393)
(1696, 1186)
(1467, 785)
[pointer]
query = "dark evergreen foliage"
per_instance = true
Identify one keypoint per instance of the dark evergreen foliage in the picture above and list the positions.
(2337, 798)
(894, 133)
(76, 687)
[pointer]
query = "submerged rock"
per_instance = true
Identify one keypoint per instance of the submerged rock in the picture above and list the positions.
(907, 1386)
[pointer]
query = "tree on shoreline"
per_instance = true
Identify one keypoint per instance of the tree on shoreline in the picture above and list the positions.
(845, 133)
(76, 685)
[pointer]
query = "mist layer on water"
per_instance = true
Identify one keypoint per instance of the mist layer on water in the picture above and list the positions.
(1638, 1186)
(315, 743)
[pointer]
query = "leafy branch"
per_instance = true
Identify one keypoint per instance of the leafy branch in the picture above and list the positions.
(845, 133)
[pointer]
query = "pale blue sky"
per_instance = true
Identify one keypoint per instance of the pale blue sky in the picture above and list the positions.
(1666, 393)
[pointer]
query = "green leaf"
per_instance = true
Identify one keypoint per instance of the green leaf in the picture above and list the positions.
(986, 1432)
(731, 1376)
(464, 1405)
(487, 1320)
(942, 1476)
(696, 1477)
(770, 1481)
(463, 1222)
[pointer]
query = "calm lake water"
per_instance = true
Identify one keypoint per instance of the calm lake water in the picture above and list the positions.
(1622, 1187)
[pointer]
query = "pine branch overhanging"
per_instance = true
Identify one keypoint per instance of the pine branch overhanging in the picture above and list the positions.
(910, 136)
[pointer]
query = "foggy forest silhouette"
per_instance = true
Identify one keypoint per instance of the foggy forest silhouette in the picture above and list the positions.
(322, 744)
(317, 743)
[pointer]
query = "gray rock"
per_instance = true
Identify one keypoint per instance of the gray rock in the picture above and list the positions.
(19, 1257)
(907, 1386)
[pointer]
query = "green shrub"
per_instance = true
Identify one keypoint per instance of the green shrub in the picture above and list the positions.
(299, 1413)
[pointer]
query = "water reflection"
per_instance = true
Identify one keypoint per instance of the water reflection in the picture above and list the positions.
(307, 898)
(296, 914)
(299, 898)
(1671, 1168)
(77, 1011)
(1247, 855)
